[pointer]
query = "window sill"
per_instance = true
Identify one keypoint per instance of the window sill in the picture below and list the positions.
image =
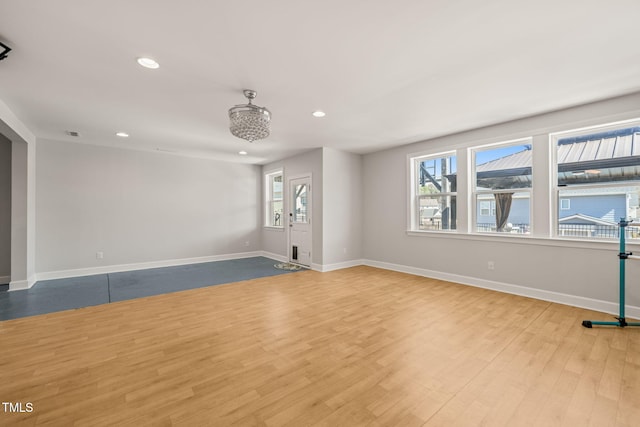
(271, 228)
(523, 239)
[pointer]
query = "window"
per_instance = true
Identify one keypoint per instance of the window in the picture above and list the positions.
(599, 170)
(274, 199)
(434, 192)
(487, 207)
(502, 189)
(300, 204)
(586, 181)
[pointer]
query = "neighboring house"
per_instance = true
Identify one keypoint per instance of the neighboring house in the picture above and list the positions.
(595, 215)
(607, 207)
(519, 215)
(430, 213)
(586, 226)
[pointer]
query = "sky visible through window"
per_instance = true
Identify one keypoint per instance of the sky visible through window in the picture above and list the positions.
(496, 153)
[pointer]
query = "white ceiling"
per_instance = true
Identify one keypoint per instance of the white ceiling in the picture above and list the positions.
(386, 72)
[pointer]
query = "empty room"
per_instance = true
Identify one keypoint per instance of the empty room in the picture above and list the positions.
(410, 213)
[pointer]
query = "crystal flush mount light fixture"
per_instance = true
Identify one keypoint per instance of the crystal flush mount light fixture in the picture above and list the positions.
(249, 121)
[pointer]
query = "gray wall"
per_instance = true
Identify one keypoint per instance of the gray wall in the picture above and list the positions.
(21, 261)
(342, 206)
(275, 241)
(5, 209)
(140, 207)
(23, 161)
(581, 269)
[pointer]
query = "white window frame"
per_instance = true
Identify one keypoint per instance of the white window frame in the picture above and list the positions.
(564, 207)
(475, 193)
(556, 189)
(270, 199)
(413, 215)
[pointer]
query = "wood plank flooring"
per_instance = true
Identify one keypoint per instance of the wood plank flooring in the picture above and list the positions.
(354, 347)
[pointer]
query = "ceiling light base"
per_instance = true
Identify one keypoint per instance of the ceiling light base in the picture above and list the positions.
(250, 94)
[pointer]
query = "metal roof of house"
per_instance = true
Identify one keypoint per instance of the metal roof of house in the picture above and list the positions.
(606, 156)
(606, 145)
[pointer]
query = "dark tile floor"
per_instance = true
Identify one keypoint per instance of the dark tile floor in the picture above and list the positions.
(48, 296)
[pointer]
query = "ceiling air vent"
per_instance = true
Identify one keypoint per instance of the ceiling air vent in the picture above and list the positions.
(73, 133)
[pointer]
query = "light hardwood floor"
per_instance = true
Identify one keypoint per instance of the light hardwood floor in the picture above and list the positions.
(360, 346)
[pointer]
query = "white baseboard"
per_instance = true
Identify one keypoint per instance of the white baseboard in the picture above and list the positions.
(21, 285)
(280, 258)
(557, 297)
(339, 265)
(4, 280)
(65, 274)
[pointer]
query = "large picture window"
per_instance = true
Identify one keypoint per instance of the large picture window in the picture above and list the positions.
(584, 182)
(598, 181)
(502, 189)
(434, 198)
(274, 205)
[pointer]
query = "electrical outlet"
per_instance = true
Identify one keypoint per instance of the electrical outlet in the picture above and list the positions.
(491, 265)
(246, 243)
(99, 255)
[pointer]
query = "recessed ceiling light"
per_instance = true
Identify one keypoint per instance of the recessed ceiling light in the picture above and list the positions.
(318, 113)
(148, 63)
(122, 134)
(242, 153)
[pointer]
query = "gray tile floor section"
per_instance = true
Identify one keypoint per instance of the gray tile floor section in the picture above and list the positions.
(48, 296)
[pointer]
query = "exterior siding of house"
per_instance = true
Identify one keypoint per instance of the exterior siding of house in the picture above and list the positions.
(519, 213)
(607, 207)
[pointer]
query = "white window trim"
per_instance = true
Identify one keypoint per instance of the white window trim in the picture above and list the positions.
(474, 193)
(412, 186)
(545, 211)
(554, 188)
(267, 199)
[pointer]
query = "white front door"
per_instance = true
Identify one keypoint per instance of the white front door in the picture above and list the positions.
(300, 220)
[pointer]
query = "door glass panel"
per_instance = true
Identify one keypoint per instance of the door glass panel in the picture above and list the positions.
(300, 203)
